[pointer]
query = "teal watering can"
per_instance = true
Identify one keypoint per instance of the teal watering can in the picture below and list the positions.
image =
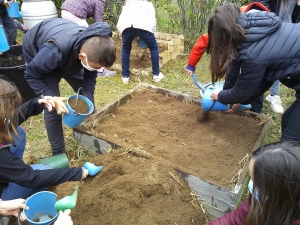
(211, 105)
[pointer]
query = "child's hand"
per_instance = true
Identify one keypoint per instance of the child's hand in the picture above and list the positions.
(54, 103)
(12, 207)
(6, 4)
(60, 106)
(214, 95)
(64, 218)
(85, 173)
(233, 108)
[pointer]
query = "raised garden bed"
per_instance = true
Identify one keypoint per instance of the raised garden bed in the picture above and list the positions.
(152, 123)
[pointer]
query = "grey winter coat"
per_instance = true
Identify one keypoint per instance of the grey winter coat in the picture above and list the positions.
(271, 51)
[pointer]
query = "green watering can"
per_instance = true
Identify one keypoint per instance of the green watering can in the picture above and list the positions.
(68, 202)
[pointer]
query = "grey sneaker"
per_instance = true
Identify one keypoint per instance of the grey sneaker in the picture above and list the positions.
(157, 78)
(106, 73)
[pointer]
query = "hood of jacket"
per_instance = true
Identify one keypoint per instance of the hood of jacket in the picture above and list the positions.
(258, 25)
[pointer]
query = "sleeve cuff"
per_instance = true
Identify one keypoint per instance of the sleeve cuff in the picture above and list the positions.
(191, 68)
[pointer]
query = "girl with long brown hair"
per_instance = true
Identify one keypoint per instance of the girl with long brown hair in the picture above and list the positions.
(265, 49)
(275, 200)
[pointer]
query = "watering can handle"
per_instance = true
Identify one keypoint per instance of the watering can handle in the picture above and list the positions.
(76, 106)
(19, 214)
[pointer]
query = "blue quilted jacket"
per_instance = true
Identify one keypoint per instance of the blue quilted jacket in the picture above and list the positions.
(271, 51)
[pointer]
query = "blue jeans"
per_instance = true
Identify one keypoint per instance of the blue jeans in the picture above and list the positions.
(290, 121)
(13, 190)
(127, 37)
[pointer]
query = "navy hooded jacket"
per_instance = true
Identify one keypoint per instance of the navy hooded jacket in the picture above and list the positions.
(271, 51)
(53, 47)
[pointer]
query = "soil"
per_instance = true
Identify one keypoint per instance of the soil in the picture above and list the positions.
(158, 134)
(11, 60)
(139, 58)
(82, 106)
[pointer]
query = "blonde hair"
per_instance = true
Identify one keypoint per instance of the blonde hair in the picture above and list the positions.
(10, 100)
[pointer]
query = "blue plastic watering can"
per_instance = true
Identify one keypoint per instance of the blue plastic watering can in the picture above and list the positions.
(211, 105)
(141, 43)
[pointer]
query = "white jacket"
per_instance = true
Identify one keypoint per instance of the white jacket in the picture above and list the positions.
(138, 14)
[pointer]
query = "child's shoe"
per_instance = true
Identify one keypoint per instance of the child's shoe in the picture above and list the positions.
(157, 78)
(275, 103)
(125, 80)
(106, 73)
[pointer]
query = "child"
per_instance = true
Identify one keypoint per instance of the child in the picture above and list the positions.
(58, 48)
(137, 19)
(275, 199)
(271, 54)
(9, 25)
(17, 179)
(78, 11)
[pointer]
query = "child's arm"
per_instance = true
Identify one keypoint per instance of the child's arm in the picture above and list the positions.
(196, 53)
(235, 217)
(99, 10)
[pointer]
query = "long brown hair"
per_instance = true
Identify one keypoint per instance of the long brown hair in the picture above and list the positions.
(276, 180)
(225, 36)
(10, 99)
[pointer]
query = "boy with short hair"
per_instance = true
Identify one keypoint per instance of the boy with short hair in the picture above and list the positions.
(58, 48)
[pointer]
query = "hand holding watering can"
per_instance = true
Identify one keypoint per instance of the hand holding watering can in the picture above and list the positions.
(214, 96)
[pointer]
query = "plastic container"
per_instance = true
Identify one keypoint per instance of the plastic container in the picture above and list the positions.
(41, 208)
(142, 43)
(3, 40)
(93, 170)
(13, 9)
(36, 11)
(56, 161)
(74, 119)
(16, 73)
(210, 105)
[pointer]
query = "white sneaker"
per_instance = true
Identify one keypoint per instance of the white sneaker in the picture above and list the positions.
(157, 78)
(125, 80)
(276, 103)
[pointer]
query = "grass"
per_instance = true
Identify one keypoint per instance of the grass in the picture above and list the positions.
(112, 88)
